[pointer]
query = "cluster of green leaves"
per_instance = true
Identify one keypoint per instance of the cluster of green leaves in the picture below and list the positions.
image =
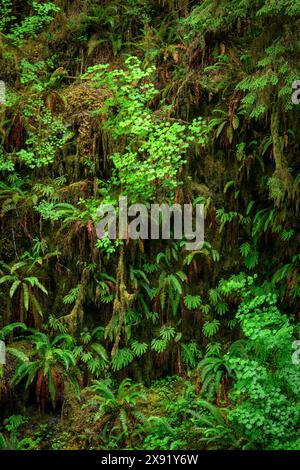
(23, 286)
(24, 281)
(10, 439)
(172, 429)
(115, 20)
(5, 12)
(50, 367)
(51, 363)
(252, 385)
(266, 389)
(262, 379)
(31, 25)
(43, 140)
(91, 351)
(157, 146)
(116, 415)
(274, 69)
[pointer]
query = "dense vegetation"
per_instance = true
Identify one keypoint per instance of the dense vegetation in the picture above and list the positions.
(140, 344)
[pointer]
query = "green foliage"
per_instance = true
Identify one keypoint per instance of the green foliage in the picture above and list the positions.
(139, 348)
(288, 279)
(43, 141)
(5, 12)
(214, 372)
(192, 301)
(166, 102)
(210, 328)
(72, 295)
(166, 334)
(190, 353)
(50, 367)
(23, 286)
(172, 429)
(30, 25)
(265, 394)
(210, 423)
(270, 71)
(251, 257)
(169, 290)
(91, 353)
(158, 146)
(116, 415)
(122, 358)
(11, 439)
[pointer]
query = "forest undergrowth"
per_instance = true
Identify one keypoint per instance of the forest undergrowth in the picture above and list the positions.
(142, 344)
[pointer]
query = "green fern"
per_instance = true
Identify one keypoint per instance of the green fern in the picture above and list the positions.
(210, 328)
(192, 301)
(122, 358)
